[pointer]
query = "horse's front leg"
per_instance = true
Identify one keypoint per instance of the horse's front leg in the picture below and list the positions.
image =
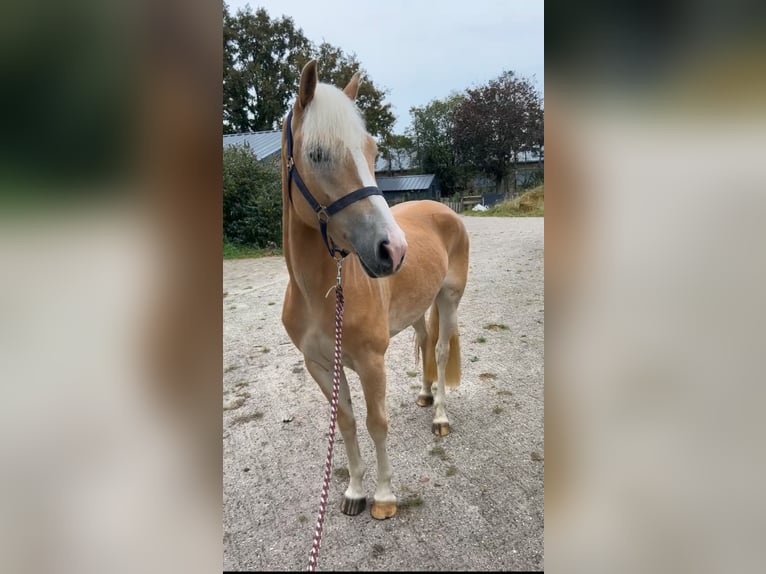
(372, 374)
(354, 499)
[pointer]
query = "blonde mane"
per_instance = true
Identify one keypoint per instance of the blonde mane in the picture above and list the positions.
(332, 122)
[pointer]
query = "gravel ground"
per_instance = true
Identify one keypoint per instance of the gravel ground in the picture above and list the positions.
(472, 500)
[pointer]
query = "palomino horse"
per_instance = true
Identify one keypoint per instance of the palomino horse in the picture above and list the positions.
(328, 155)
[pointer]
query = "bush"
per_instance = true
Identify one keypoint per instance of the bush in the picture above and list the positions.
(252, 199)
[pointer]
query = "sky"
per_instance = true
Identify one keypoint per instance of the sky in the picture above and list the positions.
(420, 50)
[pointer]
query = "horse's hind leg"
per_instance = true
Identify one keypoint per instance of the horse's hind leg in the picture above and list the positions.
(372, 374)
(447, 354)
(354, 499)
(425, 398)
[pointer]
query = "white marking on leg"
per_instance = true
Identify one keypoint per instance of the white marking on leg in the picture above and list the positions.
(383, 492)
(356, 467)
(442, 353)
(447, 325)
(347, 426)
(421, 333)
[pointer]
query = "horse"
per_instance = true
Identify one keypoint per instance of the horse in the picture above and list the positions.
(406, 259)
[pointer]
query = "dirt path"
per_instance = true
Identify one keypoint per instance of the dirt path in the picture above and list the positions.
(470, 501)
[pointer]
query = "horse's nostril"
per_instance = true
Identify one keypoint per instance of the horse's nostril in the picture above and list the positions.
(383, 251)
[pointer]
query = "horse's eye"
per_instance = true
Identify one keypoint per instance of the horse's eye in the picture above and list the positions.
(318, 155)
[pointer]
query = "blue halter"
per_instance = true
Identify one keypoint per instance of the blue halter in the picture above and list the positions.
(323, 212)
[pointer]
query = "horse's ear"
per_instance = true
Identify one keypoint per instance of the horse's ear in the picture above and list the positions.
(352, 88)
(308, 83)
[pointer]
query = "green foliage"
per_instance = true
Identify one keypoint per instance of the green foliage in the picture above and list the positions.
(432, 132)
(496, 122)
(262, 63)
(530, 204)
(252, 200)
(395, 148)
(237, 251)
(336, 68)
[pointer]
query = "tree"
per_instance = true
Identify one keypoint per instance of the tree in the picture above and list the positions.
(397, 149)
(263, 59)
(234, 91)
(336, 68)
(252, 199)
(496, 122)
(262, 62)
(432, 131)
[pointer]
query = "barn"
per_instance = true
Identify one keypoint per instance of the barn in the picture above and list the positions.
(267, 144)
(399, 188)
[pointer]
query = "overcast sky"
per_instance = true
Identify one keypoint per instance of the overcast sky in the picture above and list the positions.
(420, 50)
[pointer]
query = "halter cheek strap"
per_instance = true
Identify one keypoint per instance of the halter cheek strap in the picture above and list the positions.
(323, 212)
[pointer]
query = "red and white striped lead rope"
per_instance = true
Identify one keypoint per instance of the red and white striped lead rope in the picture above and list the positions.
(314, 555)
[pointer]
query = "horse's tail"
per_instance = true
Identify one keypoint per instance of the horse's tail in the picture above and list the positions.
(452, 371)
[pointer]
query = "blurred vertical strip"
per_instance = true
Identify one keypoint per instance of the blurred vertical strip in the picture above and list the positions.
(110, 286)
(655, 274)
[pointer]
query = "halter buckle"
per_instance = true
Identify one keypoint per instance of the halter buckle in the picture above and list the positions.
(322, 215)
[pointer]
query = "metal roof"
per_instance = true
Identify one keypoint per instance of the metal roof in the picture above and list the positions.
(263, 144)
(405, 182)
(403, 161)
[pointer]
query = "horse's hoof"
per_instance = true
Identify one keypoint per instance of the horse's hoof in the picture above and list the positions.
(440, 429)
(425, 400)
(383, 510)
(353, 506)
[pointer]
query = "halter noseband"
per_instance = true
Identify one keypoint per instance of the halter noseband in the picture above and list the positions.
(323, 212)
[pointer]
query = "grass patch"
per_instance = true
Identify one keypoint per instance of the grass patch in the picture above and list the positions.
(452, 471)
(474, 359)
(504, 393)
(302, 518)
(415, 387)
(235, 251)
(265, 350)
(271, 303)
(481, 340)
(256, 416)
(497, 410)
(411, 502)
(536, 456)
(341, 472)
(412, 374)
(487, 376)
(496, 327)
(231, 368)
(529, 204)
(438, 451)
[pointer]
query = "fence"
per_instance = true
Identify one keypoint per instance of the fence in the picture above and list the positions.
(469, 201)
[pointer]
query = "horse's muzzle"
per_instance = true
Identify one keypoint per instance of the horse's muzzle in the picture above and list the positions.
(386, 258)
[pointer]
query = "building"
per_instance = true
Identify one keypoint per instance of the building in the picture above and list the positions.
(529, 167)
(267, 144)
(401, 188)
(398, 162)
